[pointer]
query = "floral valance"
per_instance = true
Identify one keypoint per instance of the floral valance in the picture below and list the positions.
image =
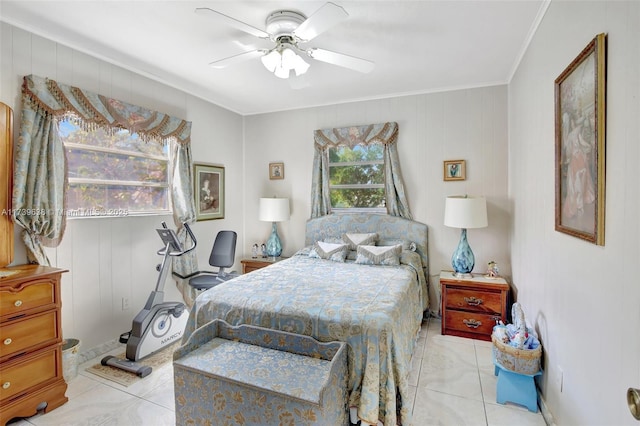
(385, 133)
(90, 110)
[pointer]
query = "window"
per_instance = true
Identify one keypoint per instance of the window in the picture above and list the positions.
(356, 177)
(114, 173)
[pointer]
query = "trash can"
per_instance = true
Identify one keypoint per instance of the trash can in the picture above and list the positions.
(70, 348)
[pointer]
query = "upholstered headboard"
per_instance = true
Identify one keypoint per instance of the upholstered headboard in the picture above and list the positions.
(387, 227)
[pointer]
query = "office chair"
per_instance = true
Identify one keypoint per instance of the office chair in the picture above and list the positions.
(222, 256)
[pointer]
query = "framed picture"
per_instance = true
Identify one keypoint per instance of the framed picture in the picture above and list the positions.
(276, 171)
(580, 103)
(208, 191)
(455, 170)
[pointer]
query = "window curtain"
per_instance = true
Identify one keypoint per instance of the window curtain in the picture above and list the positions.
(183, 211)
(384, 133)
(40, 169)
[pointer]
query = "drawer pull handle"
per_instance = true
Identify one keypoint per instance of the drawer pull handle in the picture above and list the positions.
(17, 303)
(472, 323)
(8, 341)
(473, 301)
(6, 385)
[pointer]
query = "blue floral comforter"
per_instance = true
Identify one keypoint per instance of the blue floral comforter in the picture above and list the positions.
(377, 310)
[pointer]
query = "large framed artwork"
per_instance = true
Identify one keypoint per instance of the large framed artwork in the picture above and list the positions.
(580, 103)
(209, 191)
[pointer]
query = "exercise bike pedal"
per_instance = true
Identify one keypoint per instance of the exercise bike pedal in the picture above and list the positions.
(124, 364)
(124, 337)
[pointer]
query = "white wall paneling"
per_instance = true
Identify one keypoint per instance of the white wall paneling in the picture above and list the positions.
(581, 298)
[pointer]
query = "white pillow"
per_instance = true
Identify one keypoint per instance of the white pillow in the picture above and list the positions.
(329, 251)
(354, 240)
(379, 255)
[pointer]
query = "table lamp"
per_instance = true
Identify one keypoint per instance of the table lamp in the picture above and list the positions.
(274, 210)
(462, 211)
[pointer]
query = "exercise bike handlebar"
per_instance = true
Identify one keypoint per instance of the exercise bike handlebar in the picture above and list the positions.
(175, 243)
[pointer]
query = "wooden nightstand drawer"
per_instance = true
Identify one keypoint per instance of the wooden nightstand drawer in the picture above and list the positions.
(17, 377)
(34, 294)
(474, 300)
(470, 322)
(36, 331)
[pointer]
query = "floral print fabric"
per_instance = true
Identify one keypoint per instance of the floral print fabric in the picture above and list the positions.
(376, 310)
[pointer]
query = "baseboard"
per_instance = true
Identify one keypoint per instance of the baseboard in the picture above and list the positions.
(544, 410)
(96, 351)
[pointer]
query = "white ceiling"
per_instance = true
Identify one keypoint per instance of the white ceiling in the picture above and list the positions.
(418, 46)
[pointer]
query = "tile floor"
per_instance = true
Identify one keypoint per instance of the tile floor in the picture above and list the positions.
(452, 382)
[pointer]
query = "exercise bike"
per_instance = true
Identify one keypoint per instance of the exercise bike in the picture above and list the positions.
(159, 323)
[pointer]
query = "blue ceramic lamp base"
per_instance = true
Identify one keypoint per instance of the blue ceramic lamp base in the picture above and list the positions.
(274, 246)
(462, 259)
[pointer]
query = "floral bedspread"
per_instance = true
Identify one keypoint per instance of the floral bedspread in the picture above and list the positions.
(377, 310)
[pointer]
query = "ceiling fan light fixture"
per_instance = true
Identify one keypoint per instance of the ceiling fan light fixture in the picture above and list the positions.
(282, 60)
(301, 66)
(288, 58)
(282, 72)
(271, 60)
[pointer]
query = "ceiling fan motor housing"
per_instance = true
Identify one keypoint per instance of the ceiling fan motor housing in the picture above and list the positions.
(283, 23)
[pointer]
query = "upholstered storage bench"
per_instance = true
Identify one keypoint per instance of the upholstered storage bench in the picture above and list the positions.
(246, 375)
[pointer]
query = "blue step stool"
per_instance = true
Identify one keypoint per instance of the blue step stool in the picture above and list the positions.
(516, 388)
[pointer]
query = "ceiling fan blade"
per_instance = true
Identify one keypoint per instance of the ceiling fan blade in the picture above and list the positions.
(232, 22)
(235, 59)
(342, 60)
(321, 20)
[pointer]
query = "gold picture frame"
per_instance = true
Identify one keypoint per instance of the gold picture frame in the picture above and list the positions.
(276, 171)
(455, 170)
(580, 104)
(208, 191)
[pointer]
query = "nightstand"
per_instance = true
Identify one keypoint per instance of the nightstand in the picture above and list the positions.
(472, 306)
(251, 264)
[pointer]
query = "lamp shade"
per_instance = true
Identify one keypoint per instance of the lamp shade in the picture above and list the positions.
(274, 209)
(461, 211)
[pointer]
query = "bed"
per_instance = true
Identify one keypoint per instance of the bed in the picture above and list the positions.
(376, 309)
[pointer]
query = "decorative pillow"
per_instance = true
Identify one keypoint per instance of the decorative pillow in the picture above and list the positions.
(355, 240)
(379, 255)
(329, 251)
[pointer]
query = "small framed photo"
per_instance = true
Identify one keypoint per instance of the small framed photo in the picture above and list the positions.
(455, 170)
(276, 171)
(208, 191)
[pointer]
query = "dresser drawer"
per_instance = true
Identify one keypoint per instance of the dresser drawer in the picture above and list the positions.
(470, 322)
(35, 294)
(474, 300)
(37, 331)
(33, 370)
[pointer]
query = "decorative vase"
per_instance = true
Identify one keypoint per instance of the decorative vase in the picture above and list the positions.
(462, 259)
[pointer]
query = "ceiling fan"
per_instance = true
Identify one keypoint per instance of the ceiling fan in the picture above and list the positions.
(289, 30)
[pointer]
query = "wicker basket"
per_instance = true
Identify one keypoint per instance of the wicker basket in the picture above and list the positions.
(521, 361)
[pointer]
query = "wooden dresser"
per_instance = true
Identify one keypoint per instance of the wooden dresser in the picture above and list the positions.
(471, 306)
(30, 341)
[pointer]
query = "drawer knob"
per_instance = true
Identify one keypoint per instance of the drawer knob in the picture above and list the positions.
(6, 385)
(8, 341)
(471, 323)
(17, 303)
(473, 301)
